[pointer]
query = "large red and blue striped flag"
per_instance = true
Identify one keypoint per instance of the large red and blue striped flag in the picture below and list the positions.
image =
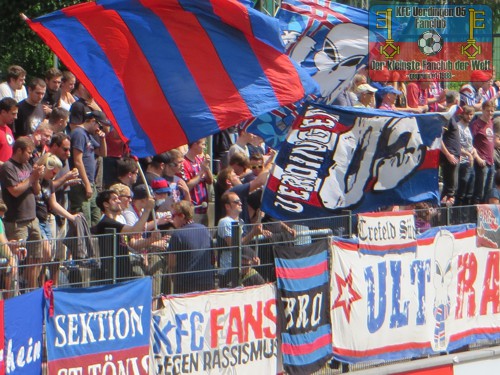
(172, 71)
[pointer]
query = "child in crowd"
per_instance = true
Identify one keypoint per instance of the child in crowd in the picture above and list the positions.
(468, 154)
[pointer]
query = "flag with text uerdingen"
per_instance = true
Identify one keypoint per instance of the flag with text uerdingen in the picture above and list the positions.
(171, 72)
(359, 159)
(302, 274)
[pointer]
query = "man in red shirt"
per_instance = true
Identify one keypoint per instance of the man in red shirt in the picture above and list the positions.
(484, 166)
(197, 174)
(418, 96)
(8, 113)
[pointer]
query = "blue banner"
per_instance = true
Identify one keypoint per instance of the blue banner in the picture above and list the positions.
(102, 329)
(23, 351)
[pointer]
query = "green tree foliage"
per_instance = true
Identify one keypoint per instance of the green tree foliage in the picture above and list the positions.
(20, 45)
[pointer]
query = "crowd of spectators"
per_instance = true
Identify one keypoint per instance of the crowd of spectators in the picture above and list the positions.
(62, 163)
(64, 169)
(470, 147)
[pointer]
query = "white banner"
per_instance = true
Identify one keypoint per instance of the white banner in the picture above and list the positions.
(438, 298)
(381, 232)
(230, 331)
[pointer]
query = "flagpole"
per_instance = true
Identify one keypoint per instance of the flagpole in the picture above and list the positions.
(143, 177)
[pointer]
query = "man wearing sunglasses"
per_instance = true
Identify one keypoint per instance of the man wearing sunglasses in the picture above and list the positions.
(256, 165)
(366, 96)
(234, 207)
(178, 187)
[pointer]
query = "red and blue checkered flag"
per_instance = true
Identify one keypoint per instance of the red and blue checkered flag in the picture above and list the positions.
(170, 72)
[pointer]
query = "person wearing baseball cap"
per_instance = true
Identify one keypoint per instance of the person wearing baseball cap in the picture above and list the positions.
(389, 95)
(99, 117)
(366, 96)
(471, 93)
(161, 190)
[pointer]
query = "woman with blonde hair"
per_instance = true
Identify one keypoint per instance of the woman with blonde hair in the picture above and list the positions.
(67, 86)
(125, 195)
(357, 80)
(46, 204)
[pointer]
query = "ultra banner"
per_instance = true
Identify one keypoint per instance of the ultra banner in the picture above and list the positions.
(100, 330)
(438, 298)
(230, 331)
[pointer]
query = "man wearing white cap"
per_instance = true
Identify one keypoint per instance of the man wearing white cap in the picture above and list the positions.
(366, 96)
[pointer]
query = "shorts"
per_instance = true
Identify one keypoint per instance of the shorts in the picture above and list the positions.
(28, 230)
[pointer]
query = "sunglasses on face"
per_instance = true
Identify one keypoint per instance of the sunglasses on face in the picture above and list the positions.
(257, 166)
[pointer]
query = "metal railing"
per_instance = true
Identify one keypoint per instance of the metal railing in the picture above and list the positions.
(118, 261)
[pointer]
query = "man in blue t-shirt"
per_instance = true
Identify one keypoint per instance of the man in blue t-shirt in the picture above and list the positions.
(190, 252)
(84, 147)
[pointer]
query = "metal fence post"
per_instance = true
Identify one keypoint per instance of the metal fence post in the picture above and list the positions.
(112, 233)
(349, 222)
(236, 234)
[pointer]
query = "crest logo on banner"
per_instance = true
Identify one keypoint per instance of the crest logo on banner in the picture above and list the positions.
(391, 305)
(339, 158)
(215, 332)
(23, 350)
(100, 330)
(302, 274)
